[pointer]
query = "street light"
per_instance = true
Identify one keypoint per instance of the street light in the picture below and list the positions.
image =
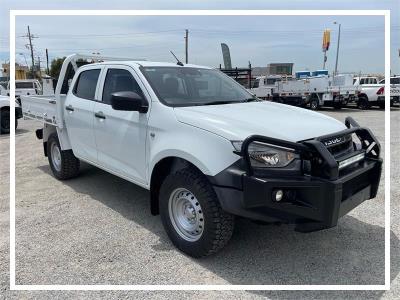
(337, 50)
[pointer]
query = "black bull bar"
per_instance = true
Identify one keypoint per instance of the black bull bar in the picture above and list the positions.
(323, 163)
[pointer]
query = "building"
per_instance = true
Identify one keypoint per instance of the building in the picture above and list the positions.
(21, 72)
(280, 69)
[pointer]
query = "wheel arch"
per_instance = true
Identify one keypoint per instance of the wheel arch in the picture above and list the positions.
(5, 108)
(364, 95)
(160, 170)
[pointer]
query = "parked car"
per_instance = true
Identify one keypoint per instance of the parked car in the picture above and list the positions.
(5, 114)
(24, 87)
(316, 91)
(371, 92)
(394, 90)
(263, 86)
(205, 148)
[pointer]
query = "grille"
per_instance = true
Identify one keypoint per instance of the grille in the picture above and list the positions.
(343, 147)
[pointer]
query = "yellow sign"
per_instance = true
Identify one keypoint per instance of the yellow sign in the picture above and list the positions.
(326, 40)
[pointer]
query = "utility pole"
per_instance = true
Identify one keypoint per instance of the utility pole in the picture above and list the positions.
(40, 73)
(31, 47)
(186, 45)
(47, 62)
(337, 50)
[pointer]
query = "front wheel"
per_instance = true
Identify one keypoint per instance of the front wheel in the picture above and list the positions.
(191, 214)
(63, 163)
(5, 121)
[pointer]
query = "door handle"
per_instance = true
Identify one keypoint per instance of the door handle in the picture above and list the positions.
(69, 107)
(100, 115)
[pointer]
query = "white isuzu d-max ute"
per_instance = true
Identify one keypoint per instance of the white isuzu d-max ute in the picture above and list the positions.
(205, 148)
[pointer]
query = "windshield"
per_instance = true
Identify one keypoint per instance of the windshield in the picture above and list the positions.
(184, 86)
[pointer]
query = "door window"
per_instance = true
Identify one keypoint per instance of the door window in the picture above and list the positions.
(119, 80)
(85, 87)
(256, 83)
(395, 80)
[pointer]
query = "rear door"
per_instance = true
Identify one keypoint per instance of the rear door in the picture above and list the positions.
(121, 135)
(78, 114)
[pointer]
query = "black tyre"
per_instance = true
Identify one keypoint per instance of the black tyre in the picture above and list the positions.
(363, 103)
(337, 105)
(191, 214)
(63, 164)
(382, 105)
(5, 121)
(314, 103)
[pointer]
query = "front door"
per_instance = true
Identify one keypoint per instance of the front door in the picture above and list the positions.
(121, 135)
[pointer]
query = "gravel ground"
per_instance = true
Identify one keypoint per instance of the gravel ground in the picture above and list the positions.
(97, 229)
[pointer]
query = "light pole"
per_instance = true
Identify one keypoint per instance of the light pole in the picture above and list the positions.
(337, 50)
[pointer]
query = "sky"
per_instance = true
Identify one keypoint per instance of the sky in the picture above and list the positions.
(258, 39)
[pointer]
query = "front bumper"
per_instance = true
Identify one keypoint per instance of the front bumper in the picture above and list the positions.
(311, 201)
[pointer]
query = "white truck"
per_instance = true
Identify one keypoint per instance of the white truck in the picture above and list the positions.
(205, 148)
(371, 93)
(263, 86)
(316, 91)
(394, 90)
(24, 87)
(5, 114)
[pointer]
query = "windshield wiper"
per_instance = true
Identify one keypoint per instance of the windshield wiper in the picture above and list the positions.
(220, 102)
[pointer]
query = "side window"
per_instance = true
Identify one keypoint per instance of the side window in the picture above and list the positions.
(256, 83)
(119, 80)
(362, 81)
(395, 80)
(85, 87)
(374, 81)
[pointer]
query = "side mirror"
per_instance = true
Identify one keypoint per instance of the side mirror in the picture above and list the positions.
(129, 101)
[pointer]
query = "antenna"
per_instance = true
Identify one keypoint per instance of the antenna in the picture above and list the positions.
(179, 63)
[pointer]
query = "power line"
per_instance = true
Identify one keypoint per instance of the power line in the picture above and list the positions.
(217, 31)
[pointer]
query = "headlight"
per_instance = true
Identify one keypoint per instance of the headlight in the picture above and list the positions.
(264, 155)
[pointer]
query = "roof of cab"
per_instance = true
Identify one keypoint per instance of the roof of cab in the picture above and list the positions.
(145, 63)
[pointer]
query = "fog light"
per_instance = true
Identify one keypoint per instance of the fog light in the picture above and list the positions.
(278, 195)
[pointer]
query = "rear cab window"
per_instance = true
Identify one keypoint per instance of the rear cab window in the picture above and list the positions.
(24, 85)
(85, 86)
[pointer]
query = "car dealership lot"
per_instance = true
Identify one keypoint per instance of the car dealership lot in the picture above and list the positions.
(97, 229)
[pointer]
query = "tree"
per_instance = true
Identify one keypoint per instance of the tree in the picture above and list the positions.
(55, 67)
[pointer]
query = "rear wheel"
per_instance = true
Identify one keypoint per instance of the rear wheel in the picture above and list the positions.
(63, 164)
(363, 103)
(191, 214)
(5, 121)
(314, 103)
